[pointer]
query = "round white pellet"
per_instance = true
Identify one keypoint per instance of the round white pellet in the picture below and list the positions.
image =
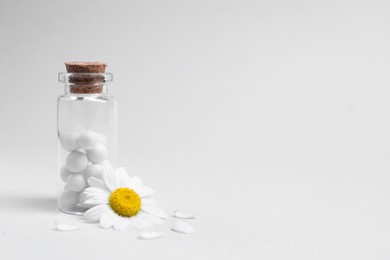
(88, 139)
(82, 197)
(64, 173)
(95, 170)
(98, 154)
(76, 161)
(69, 141)
(69, 198)
(76, 182)
(102, 139)
(78, 128)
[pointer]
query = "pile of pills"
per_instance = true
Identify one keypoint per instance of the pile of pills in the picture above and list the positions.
(87, 158)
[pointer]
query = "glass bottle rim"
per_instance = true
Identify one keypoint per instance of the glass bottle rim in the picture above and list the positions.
(64, 77)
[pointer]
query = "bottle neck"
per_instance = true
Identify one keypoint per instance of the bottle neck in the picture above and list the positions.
(78, 90)
(85, 84)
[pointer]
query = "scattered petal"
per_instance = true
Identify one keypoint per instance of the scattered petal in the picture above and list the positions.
(183, 227)
(65, 227)
(150, 235)
(154, 211)
(179, 214)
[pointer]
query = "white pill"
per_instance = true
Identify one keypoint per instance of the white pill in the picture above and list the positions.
(76, 161)
(69, 141)
(95, 170)
(82, 197)
(98, 154)
(69, 198)
(102, 139)
(64, 173)
(76, 182)
(88, 139)
(78, 128)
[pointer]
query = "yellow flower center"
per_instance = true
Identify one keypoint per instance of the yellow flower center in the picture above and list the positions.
(125, 202)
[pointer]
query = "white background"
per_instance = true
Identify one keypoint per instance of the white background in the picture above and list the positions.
(269, 119)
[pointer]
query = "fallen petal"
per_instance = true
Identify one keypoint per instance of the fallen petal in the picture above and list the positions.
(150, 235)
(179, 214)
(182, 227)
(65, 227)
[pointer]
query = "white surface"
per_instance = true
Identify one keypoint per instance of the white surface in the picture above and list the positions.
(269, 119)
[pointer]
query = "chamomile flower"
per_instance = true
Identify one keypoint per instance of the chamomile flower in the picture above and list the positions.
(119, 201)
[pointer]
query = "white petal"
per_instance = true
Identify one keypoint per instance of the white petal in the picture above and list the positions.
(94, 214)
(91, 192)
(94, 201)
(121, 223)
(179, 214)
(97, 183)
(64, 227)
(135, 182)
(151, 218)
(143, 191)
(148, 201)
(122, 177)
(108, 219)
(154, 211)
(150, 235)
(107, 165)
(109, 180)
(140, 222)
(183, 227)
(97, 200)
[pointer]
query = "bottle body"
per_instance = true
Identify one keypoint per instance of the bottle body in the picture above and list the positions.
(87, 140)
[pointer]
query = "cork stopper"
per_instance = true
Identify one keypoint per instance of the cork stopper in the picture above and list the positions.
(86, 83)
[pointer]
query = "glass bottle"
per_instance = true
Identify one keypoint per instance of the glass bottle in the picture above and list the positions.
(87, 121)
